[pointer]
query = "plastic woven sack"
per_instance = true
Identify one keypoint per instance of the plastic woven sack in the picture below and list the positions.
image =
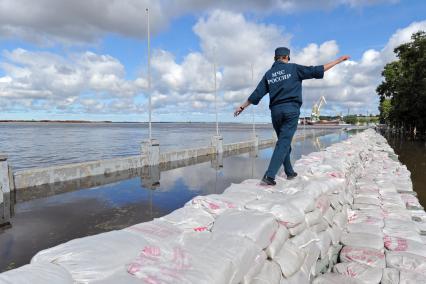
(368, 256)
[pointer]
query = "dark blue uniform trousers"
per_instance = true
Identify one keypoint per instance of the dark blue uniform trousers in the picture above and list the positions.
(284, 121)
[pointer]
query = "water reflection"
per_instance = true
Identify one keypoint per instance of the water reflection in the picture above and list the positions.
(412, 153)
(52, 215)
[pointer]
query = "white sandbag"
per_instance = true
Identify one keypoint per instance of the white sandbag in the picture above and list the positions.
(298, 229)
(156, 231)
(290, 258)
(322, 203)
(365, 273)
(411, 202)
(368, 256)
(362, 206)
(190, 218)
(270, 274)
(334, 202)
(400, 244)
(367, 200)
(362, 228)
(365, 217)
(302, 202)
(341, 220)
(312, 255)
(95, 257)
(120, 277)
(333, 253)
(328, 215)
(321, 226)
(418, 215)
(278, 240)
(214, 203)
(257, 226)
(409, 235)
(285, 213)
(313, 218)
(249, 187)
(304, 239)
(392, 199)
(362, 240)
(300, 277)
(324, 243)
(256, 267)
(407, 261)
(421, 227)
(335, 278)
(335, 233)
(394, 212)
(241, 198)
(196, 259)
(402, 229)
(408, 277)
(276, 197)
(37, 273)
(390, 276)
(321, 266)
(403, 225)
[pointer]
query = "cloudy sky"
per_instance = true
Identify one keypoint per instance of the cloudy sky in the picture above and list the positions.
(87, 59)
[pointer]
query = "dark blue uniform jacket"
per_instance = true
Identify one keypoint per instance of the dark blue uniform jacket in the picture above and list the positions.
(283, 82)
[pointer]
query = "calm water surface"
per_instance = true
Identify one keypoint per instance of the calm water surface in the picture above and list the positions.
(48, 221)
(412, 153)
(44, 144)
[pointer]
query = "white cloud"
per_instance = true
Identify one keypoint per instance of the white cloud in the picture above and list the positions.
(90, 82)
(81, 21)
(42, 78)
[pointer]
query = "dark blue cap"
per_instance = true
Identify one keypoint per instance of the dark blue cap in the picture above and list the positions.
(282, 51)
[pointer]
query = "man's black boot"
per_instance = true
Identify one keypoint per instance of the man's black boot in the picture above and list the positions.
(292, 176)
(268, 180)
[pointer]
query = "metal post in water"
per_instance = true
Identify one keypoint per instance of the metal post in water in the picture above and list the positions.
(217, 140)
(215, 91)
(150, 148)
(5, 188)
(149, 72)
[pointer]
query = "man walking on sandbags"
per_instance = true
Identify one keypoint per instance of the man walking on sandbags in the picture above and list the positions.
(283, 82)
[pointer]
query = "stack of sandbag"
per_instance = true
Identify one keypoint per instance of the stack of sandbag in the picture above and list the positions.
(383, 242)
(344, 219)
(251, 233)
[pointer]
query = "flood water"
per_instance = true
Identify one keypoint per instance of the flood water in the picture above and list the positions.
(31, 145)
(42, 222)
(412, 153)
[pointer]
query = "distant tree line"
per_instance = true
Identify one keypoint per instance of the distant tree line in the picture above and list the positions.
(403, 91)
(353, 119)
(361, 120)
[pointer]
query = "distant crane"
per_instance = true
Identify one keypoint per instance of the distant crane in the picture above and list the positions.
(316, 109)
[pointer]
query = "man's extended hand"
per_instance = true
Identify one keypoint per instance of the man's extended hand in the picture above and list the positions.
(238, 110)
(335, 62)
(344, 58)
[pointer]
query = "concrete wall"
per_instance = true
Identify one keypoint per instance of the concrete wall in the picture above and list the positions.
(56, 174)
(180, 155)
(62, 173)
(40, 176)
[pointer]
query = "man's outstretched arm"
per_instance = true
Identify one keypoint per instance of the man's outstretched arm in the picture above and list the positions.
(331, 64)
(261, 90)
